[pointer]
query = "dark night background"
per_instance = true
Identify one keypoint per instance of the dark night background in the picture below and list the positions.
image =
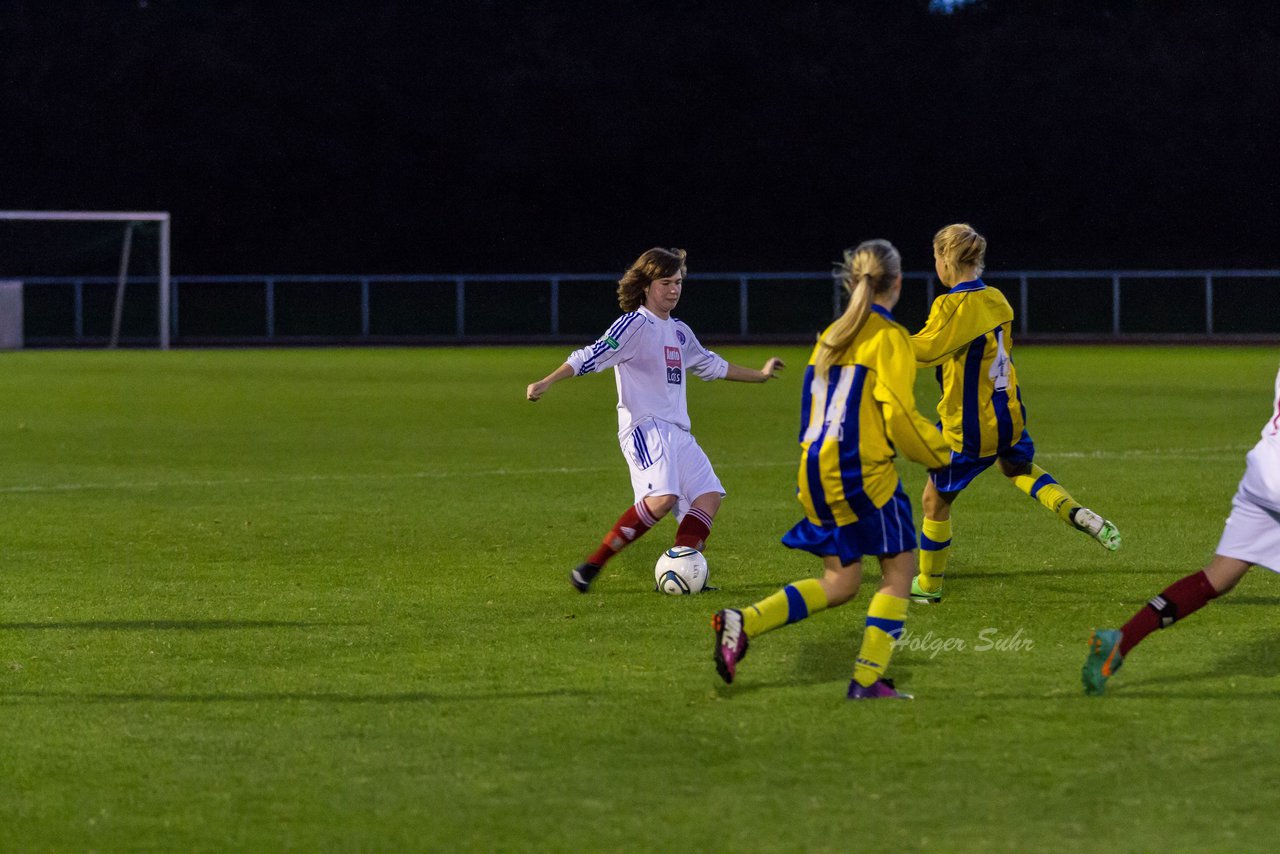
(540, 136)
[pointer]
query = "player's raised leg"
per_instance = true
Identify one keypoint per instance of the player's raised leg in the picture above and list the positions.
(1108, 647)
(791, 604)
(1040, 485)
(630, 526)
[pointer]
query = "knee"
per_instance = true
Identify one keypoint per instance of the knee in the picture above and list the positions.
(840, 595)
(1225, 573)
(934, 504)
(708, 502)
(660, 505)
(896, 571)
(841, 588)
(1009, 469)
(1223, 586)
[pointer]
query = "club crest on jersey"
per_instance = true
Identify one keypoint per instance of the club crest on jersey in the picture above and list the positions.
(680, 336)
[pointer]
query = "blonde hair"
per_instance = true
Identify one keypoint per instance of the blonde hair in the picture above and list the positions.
(650, 266)
(869, 269)
(960, 248)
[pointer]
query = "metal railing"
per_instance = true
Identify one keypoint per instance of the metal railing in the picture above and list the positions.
(1047, 303)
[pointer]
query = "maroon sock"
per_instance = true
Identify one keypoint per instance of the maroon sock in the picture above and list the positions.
(629, 527)
(694, 529)
(1180, 599)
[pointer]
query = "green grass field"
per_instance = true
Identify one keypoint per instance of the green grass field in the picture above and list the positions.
(316, 600)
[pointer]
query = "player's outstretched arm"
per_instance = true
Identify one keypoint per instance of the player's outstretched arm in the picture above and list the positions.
(740, 374)
(536, 390)
(943, 334)
(895, 372)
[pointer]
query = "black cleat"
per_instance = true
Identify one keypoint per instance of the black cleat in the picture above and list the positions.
(582, 577)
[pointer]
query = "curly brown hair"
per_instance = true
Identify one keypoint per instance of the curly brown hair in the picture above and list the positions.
(655, 264)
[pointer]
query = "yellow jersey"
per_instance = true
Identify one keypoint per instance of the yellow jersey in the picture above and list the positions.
(967, 337)
(854, 418)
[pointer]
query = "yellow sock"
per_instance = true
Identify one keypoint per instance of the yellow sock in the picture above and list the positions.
(793, 602)
(885, 617)
(935, 545)
(1041, 486)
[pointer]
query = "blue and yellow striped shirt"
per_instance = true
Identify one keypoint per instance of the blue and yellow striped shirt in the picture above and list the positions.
(854, 418)
(967, 337)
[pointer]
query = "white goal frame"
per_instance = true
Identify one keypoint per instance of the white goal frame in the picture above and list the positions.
(161, 217)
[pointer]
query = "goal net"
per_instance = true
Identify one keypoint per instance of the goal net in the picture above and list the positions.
(91, 276)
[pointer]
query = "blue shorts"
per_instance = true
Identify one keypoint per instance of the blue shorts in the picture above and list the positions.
(963, 467)
(887, 531)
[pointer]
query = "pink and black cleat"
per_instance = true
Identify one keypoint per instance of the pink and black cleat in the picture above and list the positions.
(731, 642)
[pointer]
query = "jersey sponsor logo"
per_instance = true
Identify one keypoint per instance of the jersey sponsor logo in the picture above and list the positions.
(611, 342)
(674, 374)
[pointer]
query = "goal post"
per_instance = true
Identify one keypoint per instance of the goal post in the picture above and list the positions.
(129, 218)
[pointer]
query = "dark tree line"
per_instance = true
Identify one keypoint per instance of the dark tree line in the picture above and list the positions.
(503, 136)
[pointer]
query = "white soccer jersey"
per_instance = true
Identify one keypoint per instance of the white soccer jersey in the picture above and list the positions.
(651, 358)
(1262, 477)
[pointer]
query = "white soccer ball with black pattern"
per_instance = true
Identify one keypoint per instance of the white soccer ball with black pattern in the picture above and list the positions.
(681, 571)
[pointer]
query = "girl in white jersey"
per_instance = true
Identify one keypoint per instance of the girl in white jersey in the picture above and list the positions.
(652, 354)
(1251, 538)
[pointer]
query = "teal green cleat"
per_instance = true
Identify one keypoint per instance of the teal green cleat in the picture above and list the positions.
(919, 594)
(1103, 661)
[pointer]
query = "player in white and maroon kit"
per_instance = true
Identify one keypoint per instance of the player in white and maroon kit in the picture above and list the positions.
(1251, 538)
(652, 354)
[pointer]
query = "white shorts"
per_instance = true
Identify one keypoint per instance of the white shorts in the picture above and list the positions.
(1252, 533)
(665, 460)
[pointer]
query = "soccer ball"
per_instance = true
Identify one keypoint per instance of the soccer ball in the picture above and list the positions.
(680, 571)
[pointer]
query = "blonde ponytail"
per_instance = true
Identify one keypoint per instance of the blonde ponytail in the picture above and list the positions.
(869, 269)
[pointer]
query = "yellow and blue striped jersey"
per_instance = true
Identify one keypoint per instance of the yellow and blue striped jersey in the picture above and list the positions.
(967, 337)
(854, 417)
